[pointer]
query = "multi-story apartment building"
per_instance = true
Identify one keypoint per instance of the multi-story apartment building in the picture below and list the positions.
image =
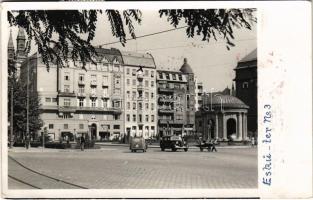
(75, 101)
(176, 97)
(140, 95)
(112, 99)
(199, 93)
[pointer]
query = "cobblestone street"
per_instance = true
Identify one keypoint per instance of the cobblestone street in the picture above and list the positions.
(115, 167)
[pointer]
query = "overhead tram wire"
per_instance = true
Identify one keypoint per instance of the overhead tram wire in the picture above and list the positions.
(146, 35)
(193, 45)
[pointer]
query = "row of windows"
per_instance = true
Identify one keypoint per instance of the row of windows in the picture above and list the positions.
(146, 72)
(140, 106)
(146, 128)
(48, 99)
(173, 85)
(100, 66)
(93, 117)
(169, 76)
(140, 95)
(134, 83)
(81, 126)
(82, 102)
(140, 119)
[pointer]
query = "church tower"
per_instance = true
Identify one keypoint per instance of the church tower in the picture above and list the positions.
(20, 42)
(11, 51)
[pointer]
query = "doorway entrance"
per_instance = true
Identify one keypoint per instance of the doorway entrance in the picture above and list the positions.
(231, 128)
(93, 131)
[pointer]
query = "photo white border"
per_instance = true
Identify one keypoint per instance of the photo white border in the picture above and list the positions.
(293, 56)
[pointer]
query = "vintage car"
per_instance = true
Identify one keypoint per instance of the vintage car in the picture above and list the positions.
(138, 143)
(173, 142)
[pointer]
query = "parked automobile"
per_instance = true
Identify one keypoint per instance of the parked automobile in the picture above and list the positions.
(173, 142)
(138, 143)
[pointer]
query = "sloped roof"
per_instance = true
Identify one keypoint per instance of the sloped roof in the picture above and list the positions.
(10, 43)
(250, 57)
(109, 54)
(228, 101)
(138, 59)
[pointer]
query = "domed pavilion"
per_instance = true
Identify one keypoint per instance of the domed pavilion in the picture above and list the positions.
(222, 117)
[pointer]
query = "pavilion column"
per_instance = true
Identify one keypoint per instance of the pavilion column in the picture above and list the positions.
(239, 135)
(224, 127)
(216, 126)
(245, 128)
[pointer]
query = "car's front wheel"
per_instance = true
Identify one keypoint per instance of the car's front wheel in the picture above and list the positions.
(174, 149)
(185, 149)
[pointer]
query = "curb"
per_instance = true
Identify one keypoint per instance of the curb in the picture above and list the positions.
(47, 150)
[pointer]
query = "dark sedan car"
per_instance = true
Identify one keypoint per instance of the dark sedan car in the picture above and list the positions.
(138, 143)
(173, 142)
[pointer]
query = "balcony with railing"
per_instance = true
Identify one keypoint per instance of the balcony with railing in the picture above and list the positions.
(105, 96)
(66, 94)
(81, 82)
(105, 83)
(81, 94)
(93, 83)
(166, 89)
(100, 109)
(93, 95)
(166, 99)
(166, 109)
(170, 121)
(140, 87)
(67, 108)
(140, 98)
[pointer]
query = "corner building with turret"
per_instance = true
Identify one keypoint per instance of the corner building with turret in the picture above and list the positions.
(176, 101)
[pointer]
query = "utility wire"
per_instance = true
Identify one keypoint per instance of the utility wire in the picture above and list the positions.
(192, 45)
(142, 36)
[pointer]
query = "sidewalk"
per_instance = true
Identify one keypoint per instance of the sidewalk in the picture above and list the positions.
(156, 145)
(39, 149)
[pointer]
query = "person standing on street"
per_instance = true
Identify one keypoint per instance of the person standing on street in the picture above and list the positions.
(252, 142)
(213, 145)
(82, 142)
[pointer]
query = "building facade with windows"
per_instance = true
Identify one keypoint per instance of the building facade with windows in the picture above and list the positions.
(176, 101)
(246, 87)
(75, 101)
(198, 95)
(140, 95)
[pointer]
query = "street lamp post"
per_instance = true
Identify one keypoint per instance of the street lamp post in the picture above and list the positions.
(27, 108)
(11, 117)
(27, 96)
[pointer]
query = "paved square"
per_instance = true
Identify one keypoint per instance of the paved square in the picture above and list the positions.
(115, 167)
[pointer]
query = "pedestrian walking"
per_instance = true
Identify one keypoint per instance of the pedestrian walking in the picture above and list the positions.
(82, 142)
(213, 145)
(252, 142)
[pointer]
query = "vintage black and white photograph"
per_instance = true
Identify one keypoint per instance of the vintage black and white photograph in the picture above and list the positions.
(132, 99)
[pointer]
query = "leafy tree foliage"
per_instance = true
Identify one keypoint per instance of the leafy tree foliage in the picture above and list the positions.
(19, 108)
(60, 34)
(211, 23)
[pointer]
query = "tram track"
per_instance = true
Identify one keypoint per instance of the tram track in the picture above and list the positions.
(41, 176)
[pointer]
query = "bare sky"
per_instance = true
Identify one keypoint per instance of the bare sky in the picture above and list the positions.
(211, 62)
